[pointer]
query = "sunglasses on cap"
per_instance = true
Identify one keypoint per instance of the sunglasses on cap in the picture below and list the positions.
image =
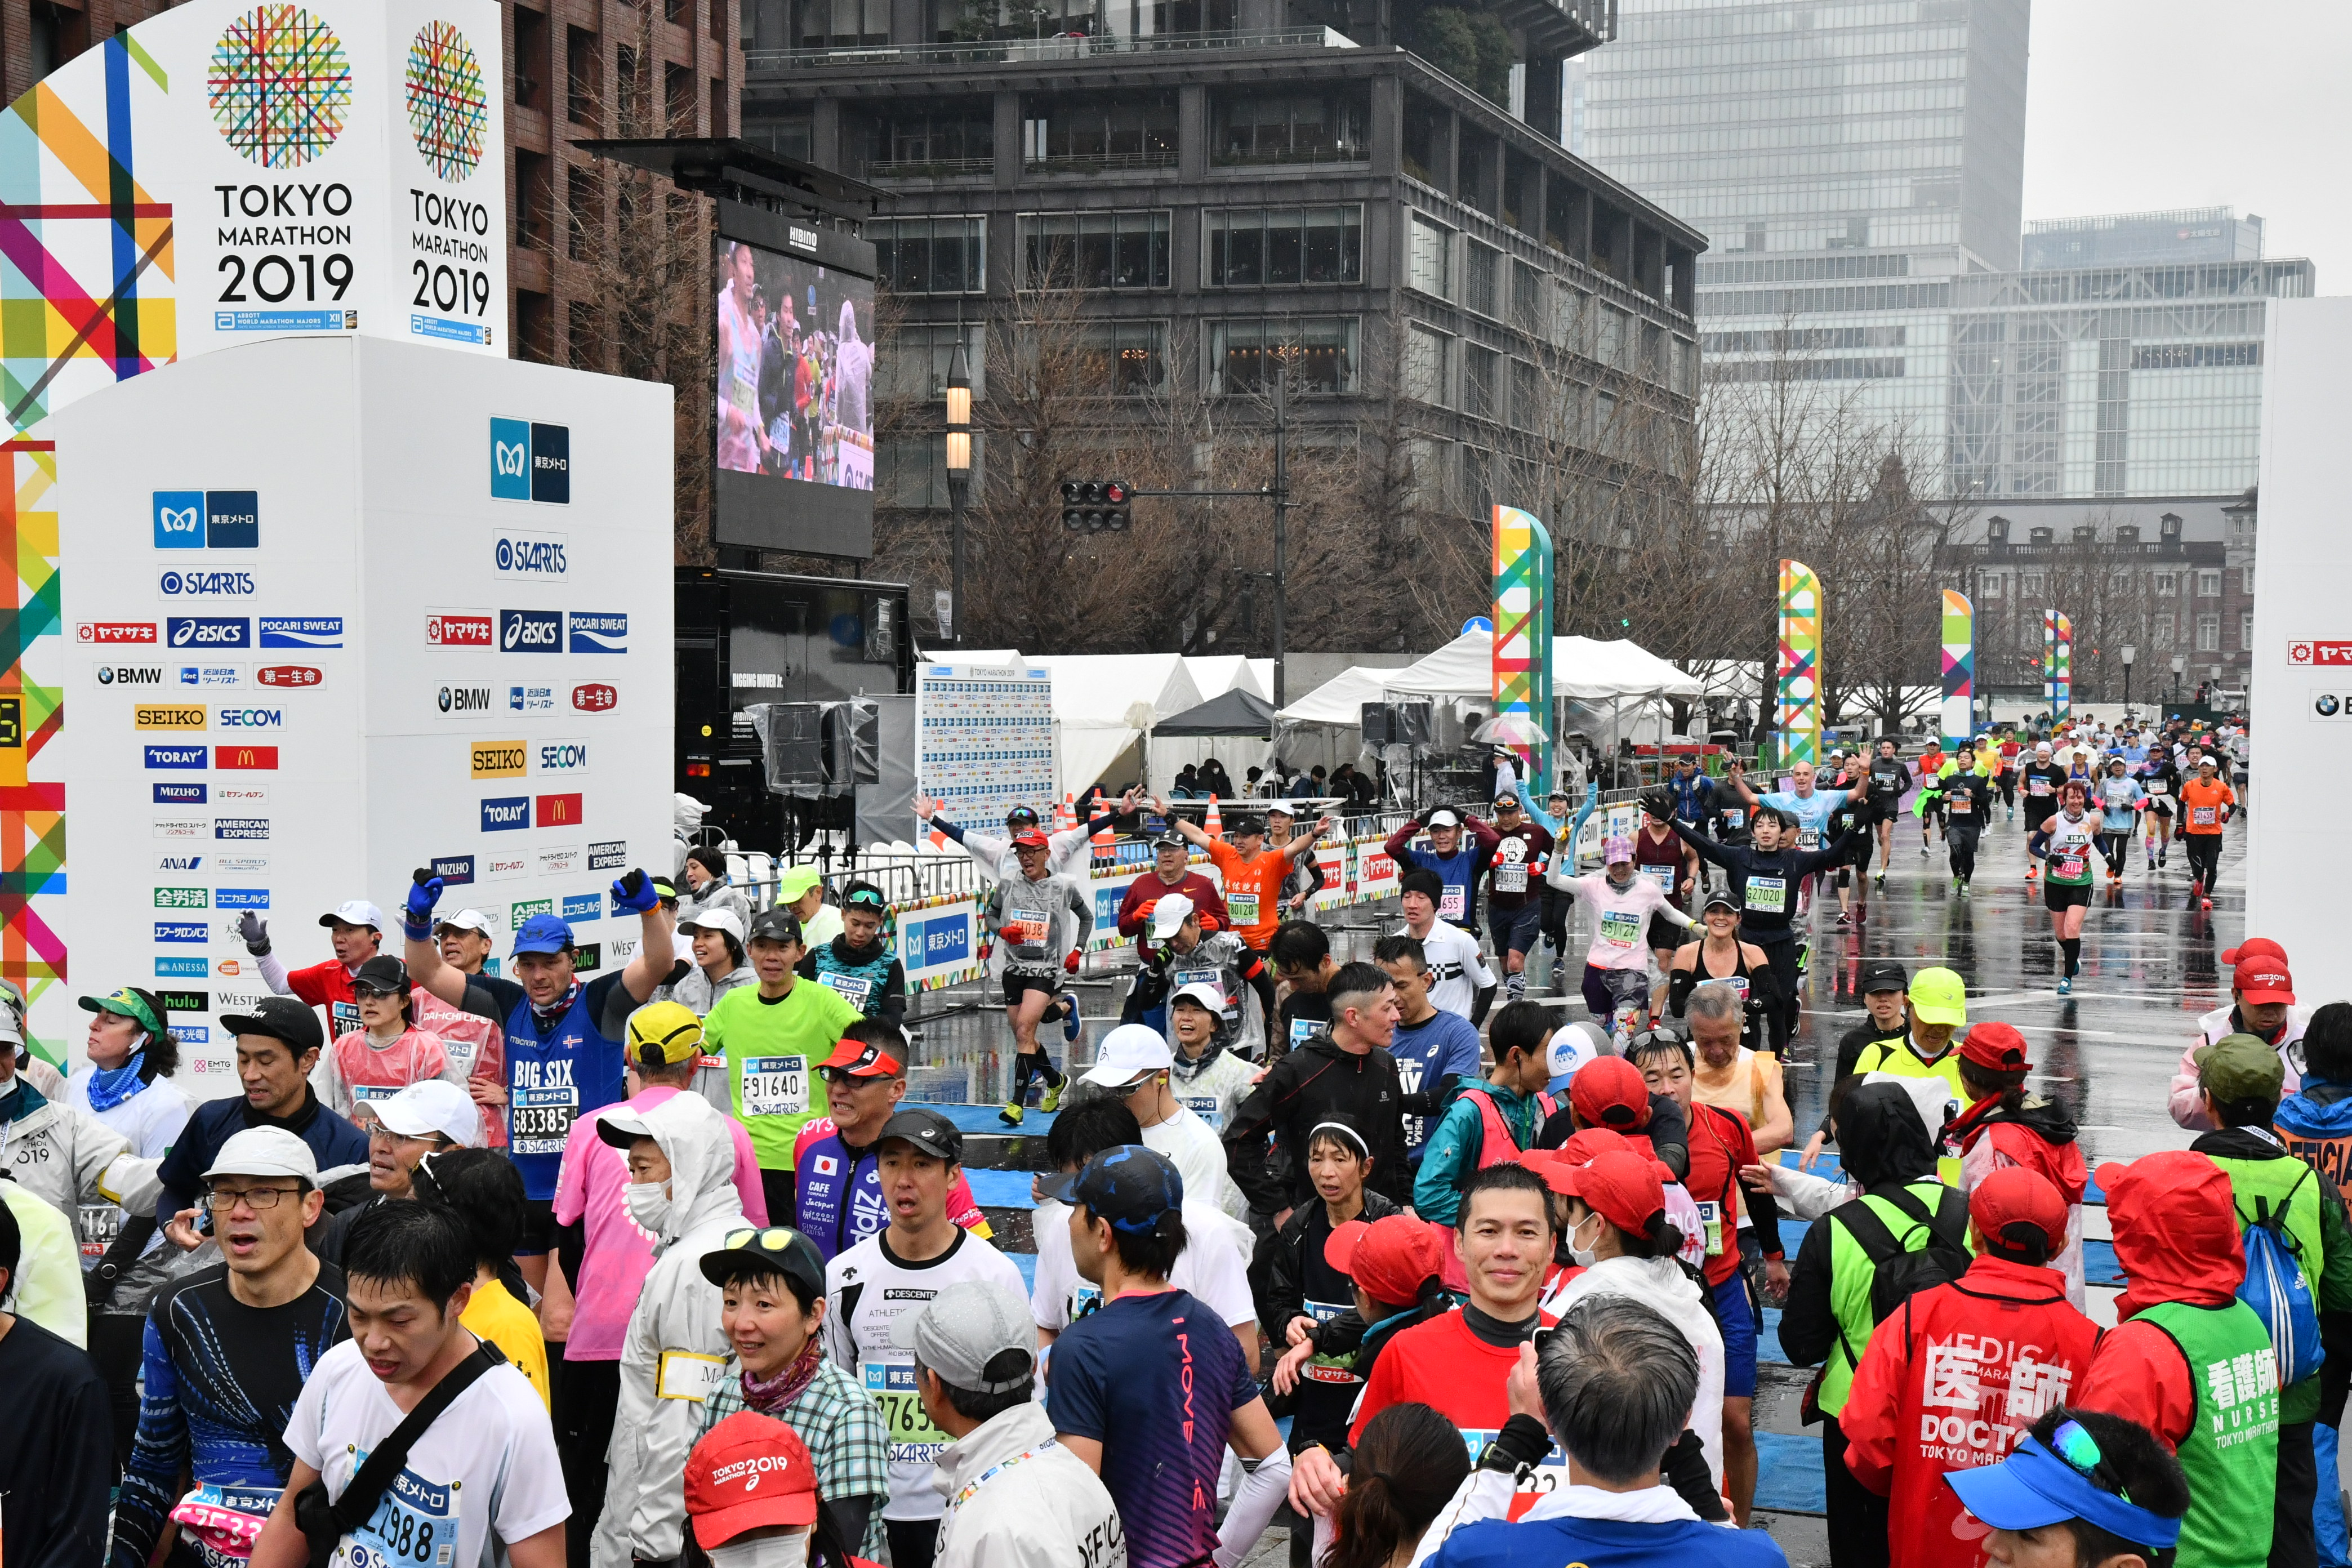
(375, 992)
(2080, 1450)
(866, 898)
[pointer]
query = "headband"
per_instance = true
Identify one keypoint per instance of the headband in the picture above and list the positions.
(1342, 1130)
(2043, 1473)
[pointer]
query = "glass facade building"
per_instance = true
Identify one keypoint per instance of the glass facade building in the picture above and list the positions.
(2120, 239)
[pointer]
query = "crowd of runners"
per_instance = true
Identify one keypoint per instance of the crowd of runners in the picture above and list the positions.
(1395, 1254)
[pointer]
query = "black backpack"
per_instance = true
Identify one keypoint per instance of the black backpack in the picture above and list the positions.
(1900, 1274)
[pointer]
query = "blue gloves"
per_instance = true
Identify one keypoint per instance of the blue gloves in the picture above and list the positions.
(423, 894)
(634, 893)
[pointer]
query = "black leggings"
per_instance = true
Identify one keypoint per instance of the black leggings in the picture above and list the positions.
(2115, 848)
(2204, 856)
(2008, 789)
(1962, 842)
(1782, 955)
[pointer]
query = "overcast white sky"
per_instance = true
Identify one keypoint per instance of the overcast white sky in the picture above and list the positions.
(2181, 103)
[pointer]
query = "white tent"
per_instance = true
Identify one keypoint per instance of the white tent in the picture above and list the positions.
(1617, 670)
(1339, 701)
(1102, 703)
(1218, 673)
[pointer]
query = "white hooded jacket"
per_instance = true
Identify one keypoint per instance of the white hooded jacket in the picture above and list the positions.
(676, 1348)
(68, 1158)
(1660, 1284)
(1033, 1503)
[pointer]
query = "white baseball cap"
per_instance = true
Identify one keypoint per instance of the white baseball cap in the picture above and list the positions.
(1127, 1053)
(466, 920)
(357, 912)
(1572, 1046)
(1201, 991)
(1168, 915)
(1443, 818)
(724, 920)
(265, 1151)
(435, 1106)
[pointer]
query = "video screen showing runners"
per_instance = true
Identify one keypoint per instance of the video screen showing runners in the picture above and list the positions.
(793, 413)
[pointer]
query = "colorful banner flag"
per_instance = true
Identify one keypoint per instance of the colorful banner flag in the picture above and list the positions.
(1959, 667)
(2058, 662)
(1523, 638)
(1799, 717)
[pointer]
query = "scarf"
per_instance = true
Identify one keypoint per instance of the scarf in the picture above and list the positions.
(546, 1016)
(110, 1086)
(771, 1396)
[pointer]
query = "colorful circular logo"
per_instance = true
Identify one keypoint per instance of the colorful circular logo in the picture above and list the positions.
(279, 86)
(448, 112)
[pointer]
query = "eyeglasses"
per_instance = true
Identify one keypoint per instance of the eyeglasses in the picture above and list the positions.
(257, 1199)
(842, 1077)
(2080, 1450)
(376, 993)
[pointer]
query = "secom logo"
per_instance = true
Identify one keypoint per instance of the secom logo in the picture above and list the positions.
(531, 462)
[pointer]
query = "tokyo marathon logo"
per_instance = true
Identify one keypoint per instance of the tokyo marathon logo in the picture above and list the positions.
(449, 109)
(279, 86)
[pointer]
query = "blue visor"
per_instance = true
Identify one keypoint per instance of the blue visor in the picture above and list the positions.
(2033, 1488)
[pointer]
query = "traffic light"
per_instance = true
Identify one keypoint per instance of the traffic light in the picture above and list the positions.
(1095, 506)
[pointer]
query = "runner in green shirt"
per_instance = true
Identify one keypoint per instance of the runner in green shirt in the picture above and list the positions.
(772, 1036)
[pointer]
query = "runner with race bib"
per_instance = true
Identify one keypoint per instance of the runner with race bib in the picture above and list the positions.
(2065, 842)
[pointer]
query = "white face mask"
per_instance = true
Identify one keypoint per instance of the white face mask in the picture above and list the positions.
(787, 1550)
(647, 1203)
(1583, 1257)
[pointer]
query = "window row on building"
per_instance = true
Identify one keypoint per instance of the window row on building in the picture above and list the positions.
(1253, 248)
(951, 135)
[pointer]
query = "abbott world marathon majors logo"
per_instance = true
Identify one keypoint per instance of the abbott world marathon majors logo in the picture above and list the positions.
(531, 462)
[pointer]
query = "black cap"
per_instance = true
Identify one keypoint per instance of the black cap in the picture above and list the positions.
(280, 1018)
(1171, 839)
(766, 1249)
(384, 972)
(1884, 974)
(927, 1129)
(1725, 897)
(1245, 824)
(778, 924)
(1133, 1187)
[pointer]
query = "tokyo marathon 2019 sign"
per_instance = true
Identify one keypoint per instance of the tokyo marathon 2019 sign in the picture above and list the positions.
(228, 171)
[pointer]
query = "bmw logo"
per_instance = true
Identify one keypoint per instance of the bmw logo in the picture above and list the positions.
(105, 674)
(2326, 704)
(445, 699)
(506, 554)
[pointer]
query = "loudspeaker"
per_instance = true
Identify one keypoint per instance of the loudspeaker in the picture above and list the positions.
(1414, 724)
(1379, 723)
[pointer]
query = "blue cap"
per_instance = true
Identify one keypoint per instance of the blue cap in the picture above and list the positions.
(2033, 1488)
(542, 933)
(1132, 1186)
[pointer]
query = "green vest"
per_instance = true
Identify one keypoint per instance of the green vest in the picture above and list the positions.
(2231, 1455)
(2287, 1184)
(1852, 1274)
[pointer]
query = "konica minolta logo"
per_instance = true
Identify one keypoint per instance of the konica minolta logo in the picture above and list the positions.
(531, 462)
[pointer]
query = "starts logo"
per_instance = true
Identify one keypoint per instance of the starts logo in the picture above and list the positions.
(531, 462)
(207, 520)
(175, 587)
(532, 556)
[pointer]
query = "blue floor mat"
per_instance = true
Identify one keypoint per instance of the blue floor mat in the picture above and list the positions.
(984, 1119)
(1767, 1341)
(1000, 1189)
(1789, 1473)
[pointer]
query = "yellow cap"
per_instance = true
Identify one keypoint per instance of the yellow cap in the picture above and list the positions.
(663, 1035)
(1938, 997)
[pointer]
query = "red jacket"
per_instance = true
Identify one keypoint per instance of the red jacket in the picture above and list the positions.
(1951, 1383)
(2176, 1233)
(1135, 910)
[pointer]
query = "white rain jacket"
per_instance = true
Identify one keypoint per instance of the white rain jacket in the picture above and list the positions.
(1047, 1512)
(675, 1349)
(1659, 1283)
(2187, 1109)
(68, 1158)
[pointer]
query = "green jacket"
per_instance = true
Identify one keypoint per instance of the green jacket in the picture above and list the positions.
(2259, 1168)
(1456, 1149)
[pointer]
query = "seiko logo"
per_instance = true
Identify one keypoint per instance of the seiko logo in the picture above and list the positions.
(150, 716)
(500, 759)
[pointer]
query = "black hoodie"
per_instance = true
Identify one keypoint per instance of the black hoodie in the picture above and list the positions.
(1301, 1089)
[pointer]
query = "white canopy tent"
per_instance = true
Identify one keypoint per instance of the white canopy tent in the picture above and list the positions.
(1218, 673)
(1339, 701)
(1105, 704)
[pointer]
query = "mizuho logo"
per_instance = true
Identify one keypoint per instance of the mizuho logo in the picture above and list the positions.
(531, 462)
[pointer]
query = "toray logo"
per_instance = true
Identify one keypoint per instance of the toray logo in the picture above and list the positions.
(207, 520)
(207, 631)
(599, 631)
(506, 813)
(175, 757)
(531, 631)
(531, 462)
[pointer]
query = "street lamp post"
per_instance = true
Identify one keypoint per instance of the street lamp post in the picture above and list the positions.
(2180, 663)
(958, 428)
(2128, 654)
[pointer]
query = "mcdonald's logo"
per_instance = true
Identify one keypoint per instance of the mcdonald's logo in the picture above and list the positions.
(251, 759)
(557, 811)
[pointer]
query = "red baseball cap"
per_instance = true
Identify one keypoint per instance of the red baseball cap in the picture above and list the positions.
(2252, 948)
(1590, 1143)
(1996, 1045)
(861, 1059)
(2262, 978)
(1623, 1186)
(749, 1471)
(1608, 1091)
(2015, 1196)
(1390, 1257)
(1031, 838)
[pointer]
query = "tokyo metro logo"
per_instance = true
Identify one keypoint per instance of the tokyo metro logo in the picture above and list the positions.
(531, 462)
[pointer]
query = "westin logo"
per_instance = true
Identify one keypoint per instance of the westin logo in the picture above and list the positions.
(531, 462)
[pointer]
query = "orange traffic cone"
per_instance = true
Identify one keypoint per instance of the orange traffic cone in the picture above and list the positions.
(1217, 828)
(1105, 840)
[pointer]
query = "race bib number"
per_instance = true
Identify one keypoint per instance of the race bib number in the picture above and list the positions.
(2071, 868)
(1205, 1106)
(459, 1052)
(1302, 1030)
(907, 1433)
(1735, 817)
(1620, 928)
(854, 989)
(96, 1225)
(1454, 903)
(368, 1094)
(2037, 786)
(1808, 838)
(2204, 816)
(1961, 805)
(1710, 1222)
(1663, 875)
(687, 1375)
(1026, 934)
(414, 1526)
(2159, 786)
(345, 1016)
(1511, 878)
(775, 1086)
(223, 1522)
(1540, 1482)
(1767, 895)
(1243, 907)
(543, 1119)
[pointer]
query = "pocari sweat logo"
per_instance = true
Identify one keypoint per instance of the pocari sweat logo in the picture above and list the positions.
(301, 631)
(207, 520)
(531, 462)
(599, 631)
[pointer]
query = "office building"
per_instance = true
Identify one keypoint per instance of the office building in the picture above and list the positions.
(2124, 240)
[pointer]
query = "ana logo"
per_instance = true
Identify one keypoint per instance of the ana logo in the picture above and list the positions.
(288, 675)
(500, 759)
(252, 759)
(114, 631)
(301, 631)
(156, 716)
(241, 827)
(562, 862)
(583, 907)
(455, 871)
(599, 631)
(557, 811)
(240, 898)
(562, 756)
(207, 585)
(179, 969)
(179, 794)
(595, 698)
(189, 863)
(183, 757)
(531, 462)
(529, 555)
(180, 932)
(506, 813)
(612, 855)
(505, 867)
(531, 699)
(531, 631)
(201, 519)
(458, 628)
(183, 899)
(206, 631)
(212, 675)
(130, 675)
(250, 718)
(461, 702)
